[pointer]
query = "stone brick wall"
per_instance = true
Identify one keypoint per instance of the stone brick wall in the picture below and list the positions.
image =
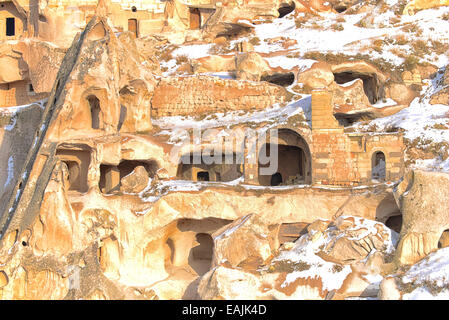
(196, 95)
(18, 93)
(392, 146)
(323, 111)
(339, 158)
(331, 160)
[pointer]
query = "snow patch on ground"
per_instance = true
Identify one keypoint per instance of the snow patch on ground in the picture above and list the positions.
(331, 274)
(304, 252)
(430, 276)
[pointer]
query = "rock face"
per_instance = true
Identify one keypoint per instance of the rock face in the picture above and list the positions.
(95, 204)
(318, 76)
(350, 97)
(354, 240)
(215, 63)
(201, 95)
(136, 181)
(334, 260)
(400, 93)
(246, 241)
(251, 66)
(415, 5)
(425, 216)
(216, 285)
(17, 137)
(15, 67)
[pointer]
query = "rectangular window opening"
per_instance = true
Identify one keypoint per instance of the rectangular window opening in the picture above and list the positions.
(10, 27)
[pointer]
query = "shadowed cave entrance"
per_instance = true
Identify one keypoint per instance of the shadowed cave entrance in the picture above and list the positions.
(224, 167)
(191, 244)
(286, 8)
(394, 223)
(340, 8)
(292, 156)
(110, 175)
(280, 79)
(371, 86)
(77, 165)
(200, 257)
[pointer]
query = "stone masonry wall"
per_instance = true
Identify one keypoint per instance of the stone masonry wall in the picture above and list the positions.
(392, 146)
(196, 95)
(332, 161)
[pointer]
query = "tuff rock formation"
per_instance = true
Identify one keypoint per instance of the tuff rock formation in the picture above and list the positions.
(137, 142)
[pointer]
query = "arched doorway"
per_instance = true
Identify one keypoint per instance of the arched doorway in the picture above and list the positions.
(378, 171)
(284, 160)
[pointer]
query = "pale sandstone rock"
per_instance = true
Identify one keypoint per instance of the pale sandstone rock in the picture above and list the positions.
(400, 93)
(425, 216)
(442, 97)
(350, 240)
(313, 5)
(415, 5)
(43, 61)
(223, 283)
(214, 63)
(389, 290)
(355, 285)
(221, 40)
(318, 226)
(318, 76)
(351, 98)
(251, 66)
(162, 174)
(47, 285)
(244, 239)
(136, 181)
(3, 279)
(14, 66)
